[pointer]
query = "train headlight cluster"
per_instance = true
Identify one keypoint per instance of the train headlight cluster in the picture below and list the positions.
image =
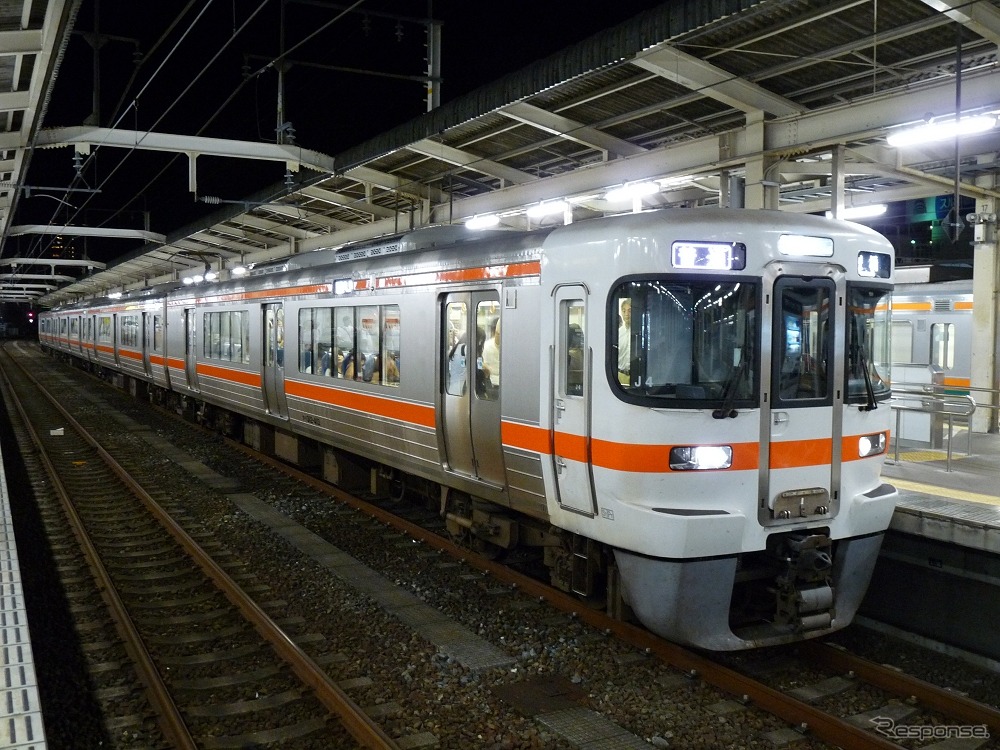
(700, 457)
(871, 445)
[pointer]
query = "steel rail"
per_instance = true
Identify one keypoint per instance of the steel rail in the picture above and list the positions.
(367, 733)
(802, 715)
(951, 704)
(171, 722)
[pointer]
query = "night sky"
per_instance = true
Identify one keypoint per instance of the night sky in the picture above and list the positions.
(197, 79)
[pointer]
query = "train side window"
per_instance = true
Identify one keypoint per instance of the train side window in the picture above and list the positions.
(343, 342)
(225, 346)
(307, 333)
(315, 340)
(456, 350)
(571, 321)
(212, 326)
(367, 365)
(130, 331)
(390, 345)
(943, 345)
(157, 333)
(488, 351)
(104, 329)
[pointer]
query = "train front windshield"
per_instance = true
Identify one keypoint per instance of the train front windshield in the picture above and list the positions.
(868, 345)
(685, 342)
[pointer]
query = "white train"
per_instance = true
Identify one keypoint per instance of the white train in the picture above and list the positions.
(684, 409)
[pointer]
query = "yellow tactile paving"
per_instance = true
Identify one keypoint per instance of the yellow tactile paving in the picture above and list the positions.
(930, 489)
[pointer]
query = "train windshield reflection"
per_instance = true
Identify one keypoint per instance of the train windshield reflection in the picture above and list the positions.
(868, 344)
(684, 341)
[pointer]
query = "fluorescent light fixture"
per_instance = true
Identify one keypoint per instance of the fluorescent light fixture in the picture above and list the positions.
(631, 191)
(483, 222)
(940, 130)
(211, 275)
(672, 182)
(861, 212)
(115, 295)
(547, 209)
(238, 271)
(801, 244)
(188, 280)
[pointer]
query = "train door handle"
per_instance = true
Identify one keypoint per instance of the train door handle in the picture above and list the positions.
(779, 417)
(560, 405)
(560, 465)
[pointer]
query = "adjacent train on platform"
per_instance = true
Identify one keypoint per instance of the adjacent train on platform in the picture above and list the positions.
(932, 325)
(685, 410)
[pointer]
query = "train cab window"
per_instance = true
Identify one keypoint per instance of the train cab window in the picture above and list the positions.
(943, 345)
(803, 335)
(685, 343)
(488, 350)
(869, 350)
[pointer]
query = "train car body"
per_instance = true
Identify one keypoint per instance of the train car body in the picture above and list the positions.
(683, 408)
(932, 325)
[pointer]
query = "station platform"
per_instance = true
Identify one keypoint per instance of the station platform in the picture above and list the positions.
(21, 726)
(960, 506)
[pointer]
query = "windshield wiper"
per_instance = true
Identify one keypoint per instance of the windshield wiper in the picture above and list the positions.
(731, 389)
(871, 404)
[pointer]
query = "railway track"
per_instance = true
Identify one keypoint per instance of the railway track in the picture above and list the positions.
(804, 713)
(214, 668)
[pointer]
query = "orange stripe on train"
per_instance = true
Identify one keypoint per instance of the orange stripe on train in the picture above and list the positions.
(404, 411)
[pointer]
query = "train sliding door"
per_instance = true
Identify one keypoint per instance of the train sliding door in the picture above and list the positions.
(804, 436)
(274, 360)
(571, 418)
(470, 387)
(147, 343)
(191, 347)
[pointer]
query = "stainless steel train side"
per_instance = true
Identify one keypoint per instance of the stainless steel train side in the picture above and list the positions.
(685, 415)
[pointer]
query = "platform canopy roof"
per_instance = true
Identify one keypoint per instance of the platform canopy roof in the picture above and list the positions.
(782, 104)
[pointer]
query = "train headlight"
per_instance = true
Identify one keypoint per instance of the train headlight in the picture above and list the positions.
(701, 457)
(871, 445)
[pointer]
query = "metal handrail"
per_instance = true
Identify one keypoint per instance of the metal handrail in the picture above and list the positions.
(931, 399)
